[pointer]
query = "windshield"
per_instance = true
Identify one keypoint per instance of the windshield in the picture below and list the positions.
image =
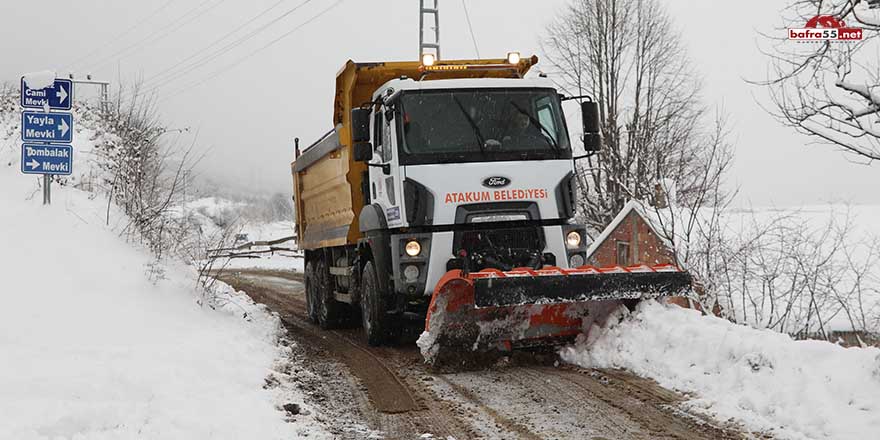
(481, 125)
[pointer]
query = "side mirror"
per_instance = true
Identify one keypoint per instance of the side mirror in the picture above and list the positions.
(590, 115)
(363, 151)
(360, 125)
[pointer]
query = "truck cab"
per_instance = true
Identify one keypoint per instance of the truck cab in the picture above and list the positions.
(469, 174)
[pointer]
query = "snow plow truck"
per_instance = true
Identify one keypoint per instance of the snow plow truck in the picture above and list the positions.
(444, 198)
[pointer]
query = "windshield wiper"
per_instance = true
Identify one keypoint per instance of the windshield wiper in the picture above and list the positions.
(473, 124)
(548, 137)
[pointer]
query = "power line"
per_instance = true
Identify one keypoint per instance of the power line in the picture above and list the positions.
(467, 17)
(174, 26)
(217, 73)
(201, 52)
(225, 49)
(119, 36)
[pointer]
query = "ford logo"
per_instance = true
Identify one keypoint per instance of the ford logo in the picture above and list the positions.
(496, 182)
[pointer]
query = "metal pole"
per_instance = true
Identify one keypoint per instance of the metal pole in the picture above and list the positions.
(105, 97)
(104, 89)
(429, 46)
(437, 26)
(47, 191)
(421, 28)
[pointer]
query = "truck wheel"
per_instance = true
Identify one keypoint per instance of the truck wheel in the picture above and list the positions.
(372, 307)
(328, 310)
(311, 292)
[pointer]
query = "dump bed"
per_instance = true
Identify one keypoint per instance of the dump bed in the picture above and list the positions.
(327, 179)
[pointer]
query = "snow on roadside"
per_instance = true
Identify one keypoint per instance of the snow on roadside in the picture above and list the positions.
(760, 378)
(90, 348)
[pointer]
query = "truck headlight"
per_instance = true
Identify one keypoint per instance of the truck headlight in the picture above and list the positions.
(413, 248)
(513, 57)
(428, 59)
(573, 239)
(576, 260)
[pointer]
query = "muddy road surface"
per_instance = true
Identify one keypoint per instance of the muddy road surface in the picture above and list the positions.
(386, 392)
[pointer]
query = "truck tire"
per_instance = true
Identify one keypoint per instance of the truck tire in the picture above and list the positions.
(311, 292)
(329, 311)
(372, 307)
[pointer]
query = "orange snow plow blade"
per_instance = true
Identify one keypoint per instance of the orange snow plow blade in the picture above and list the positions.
(493, 310)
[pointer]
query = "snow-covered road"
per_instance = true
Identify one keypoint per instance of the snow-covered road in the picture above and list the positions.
(525, 399)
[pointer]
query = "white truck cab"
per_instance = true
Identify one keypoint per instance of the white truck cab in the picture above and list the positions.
(470, 174)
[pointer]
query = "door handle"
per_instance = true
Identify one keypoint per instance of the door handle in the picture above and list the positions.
(386, 167)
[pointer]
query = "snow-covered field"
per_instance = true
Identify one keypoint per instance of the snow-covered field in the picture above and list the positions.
(760, 378)
(92, 348)
(272, 262)
(280, 261)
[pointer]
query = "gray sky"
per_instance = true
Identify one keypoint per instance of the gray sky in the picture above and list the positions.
(250, 113)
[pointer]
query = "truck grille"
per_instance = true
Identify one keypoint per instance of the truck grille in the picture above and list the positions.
(501, 248)
(515, 238)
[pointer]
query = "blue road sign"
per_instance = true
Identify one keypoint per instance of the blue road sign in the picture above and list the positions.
(47, 127)
(46, 159)
(58, 96)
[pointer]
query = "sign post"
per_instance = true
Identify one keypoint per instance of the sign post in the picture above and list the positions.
(57, 96)
(47, 194)
(46, 127)
(41, 131)
(47, 159)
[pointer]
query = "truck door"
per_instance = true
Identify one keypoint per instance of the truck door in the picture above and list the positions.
(385, 187)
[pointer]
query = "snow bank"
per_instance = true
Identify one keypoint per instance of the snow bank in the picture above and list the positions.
(763, 379)
(90, 348)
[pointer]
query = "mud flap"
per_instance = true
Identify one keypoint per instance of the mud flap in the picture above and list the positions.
(493, 310)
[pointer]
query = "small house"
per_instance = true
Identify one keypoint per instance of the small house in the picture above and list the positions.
(633, 239)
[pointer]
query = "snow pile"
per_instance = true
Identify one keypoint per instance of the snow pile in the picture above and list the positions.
(39, 80)
(91, 348)
(763, 379)
(427, 341)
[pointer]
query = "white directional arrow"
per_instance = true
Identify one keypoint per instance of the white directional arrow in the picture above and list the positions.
(33, 164)
(61, 94)
(63, 127)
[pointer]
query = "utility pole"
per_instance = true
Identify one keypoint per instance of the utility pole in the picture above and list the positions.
(429, 8)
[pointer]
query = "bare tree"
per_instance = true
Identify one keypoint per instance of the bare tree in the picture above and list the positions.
(829, 90)
(142, 173)
(626, 55)
(695, 226)
(786, 272)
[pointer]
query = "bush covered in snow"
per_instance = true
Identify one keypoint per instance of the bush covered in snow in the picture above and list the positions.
(807, 272)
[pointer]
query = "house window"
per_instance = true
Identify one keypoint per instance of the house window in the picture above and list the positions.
(623, 253)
